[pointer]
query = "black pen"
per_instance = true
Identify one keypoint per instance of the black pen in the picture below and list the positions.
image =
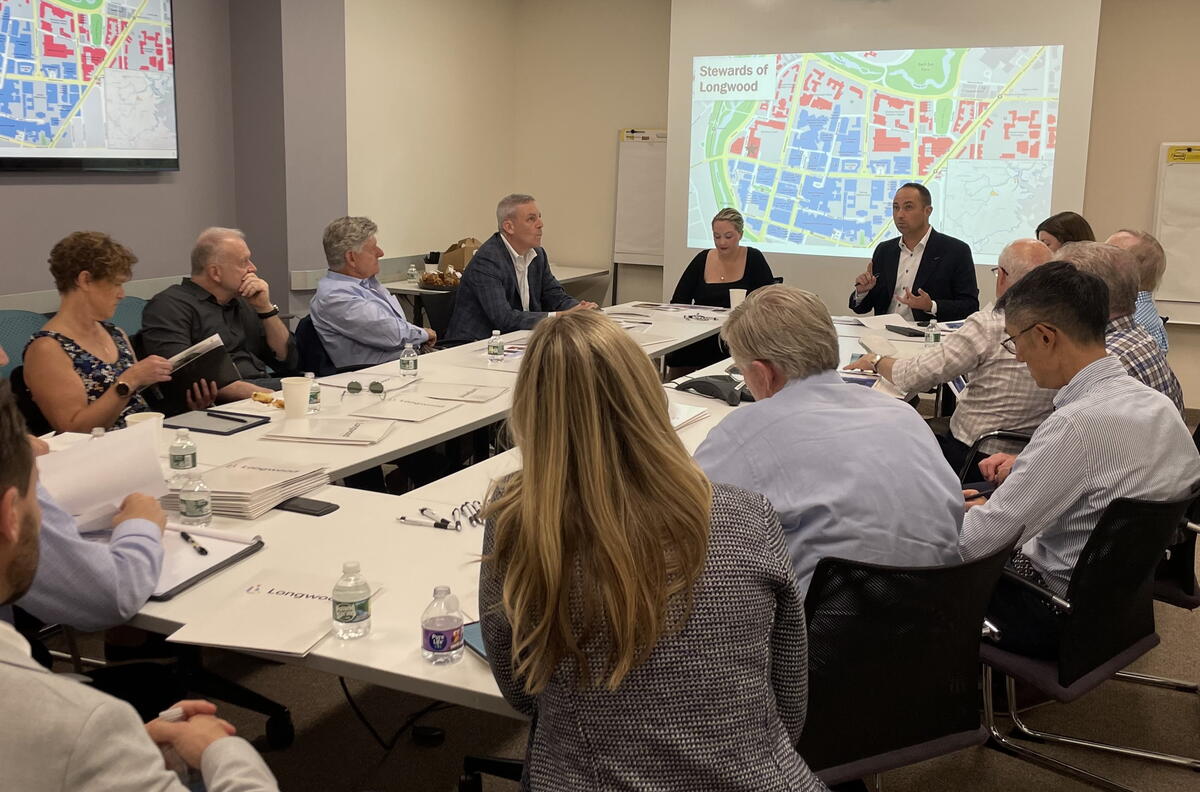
(195, 545)
(225, 416)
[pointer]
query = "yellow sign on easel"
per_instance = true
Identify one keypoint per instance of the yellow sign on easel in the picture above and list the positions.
(1180, 154)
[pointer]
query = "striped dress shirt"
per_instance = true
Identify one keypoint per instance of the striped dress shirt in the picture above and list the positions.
(1109, 437)
(1142, 357)
(1145, 313)
(1000, 394)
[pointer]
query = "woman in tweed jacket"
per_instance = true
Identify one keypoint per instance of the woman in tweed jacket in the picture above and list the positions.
(647, 620)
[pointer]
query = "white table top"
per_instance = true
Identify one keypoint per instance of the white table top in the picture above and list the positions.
(563, 272)
(408, 561)
(467, 364)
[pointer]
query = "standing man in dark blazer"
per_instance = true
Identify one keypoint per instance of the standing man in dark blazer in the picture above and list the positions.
(508, 285)
(922, 274)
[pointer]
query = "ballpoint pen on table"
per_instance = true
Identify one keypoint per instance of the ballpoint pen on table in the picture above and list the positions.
(431, 514)
(225, 416)
(185, 536)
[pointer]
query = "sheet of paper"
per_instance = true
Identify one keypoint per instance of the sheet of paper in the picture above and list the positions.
(453, 391)
(405, 408)
(389, 383)
(879, 322)
(90, 479)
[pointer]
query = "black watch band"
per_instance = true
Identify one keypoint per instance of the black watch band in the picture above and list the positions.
(273, 312)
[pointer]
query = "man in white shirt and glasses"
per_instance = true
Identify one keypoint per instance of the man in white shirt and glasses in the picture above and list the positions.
(1110, 436)
(508, 285)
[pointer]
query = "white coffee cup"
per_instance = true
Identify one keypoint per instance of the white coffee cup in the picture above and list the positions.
(295, 396)
(736, 296)
(155, 418)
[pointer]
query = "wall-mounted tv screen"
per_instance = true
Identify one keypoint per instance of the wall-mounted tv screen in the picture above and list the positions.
(87, 85)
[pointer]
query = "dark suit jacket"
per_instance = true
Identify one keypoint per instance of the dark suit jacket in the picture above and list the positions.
(947, 274)
(487, 299)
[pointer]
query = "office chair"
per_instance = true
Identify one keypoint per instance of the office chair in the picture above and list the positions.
(128, 315)
(915, 631)
(35, 421)
(16, 328)
(1106, 622)
(974, 454)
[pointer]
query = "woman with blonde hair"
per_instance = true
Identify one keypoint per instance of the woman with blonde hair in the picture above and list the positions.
(647, 619)
(708, 280)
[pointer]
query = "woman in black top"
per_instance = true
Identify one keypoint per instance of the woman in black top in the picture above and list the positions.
(707, 281)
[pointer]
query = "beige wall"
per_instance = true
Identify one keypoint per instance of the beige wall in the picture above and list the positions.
(429, 132)
(445, 117)
(1143, 97)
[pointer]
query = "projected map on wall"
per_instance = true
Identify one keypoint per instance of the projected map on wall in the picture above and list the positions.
(87, 80)
(811, 147)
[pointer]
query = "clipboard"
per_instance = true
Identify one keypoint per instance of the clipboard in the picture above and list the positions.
(215, 422)
(184, 568)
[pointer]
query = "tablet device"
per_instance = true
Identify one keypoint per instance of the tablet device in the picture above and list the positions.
(473, 637)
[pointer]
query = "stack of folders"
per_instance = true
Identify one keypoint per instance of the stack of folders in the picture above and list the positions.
(249, 488)
(338, 431)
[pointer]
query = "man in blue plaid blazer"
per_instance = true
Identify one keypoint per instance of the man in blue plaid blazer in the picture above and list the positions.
(508, 285)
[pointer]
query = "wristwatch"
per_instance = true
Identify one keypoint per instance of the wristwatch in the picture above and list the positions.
(273, 312)
(124, 389)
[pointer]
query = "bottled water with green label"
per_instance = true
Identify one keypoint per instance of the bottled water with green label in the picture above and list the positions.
(408, 361)
(351, 603)
(182, 456)
(314, 393)
(442, 628)
(495, 347)
(195, 501)
(933, 333)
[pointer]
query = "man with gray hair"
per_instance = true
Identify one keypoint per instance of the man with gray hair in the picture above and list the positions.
(1000, 393)
(224, 296)
(508, 284)
(1151, 264)
(851, 472)
(359, 322)
(1140, 354)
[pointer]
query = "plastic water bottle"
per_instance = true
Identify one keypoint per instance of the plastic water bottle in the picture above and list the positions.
(412, 272)
(495, 347)
(408, 361)
(442, 628)
(314, 393)
(933, 334)
(195, 501)
(182, 458)
(351, 603)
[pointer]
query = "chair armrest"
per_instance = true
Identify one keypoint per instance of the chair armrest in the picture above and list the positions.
(1004, 434)
(990, 632)
(1191, 526)
(1041, 591)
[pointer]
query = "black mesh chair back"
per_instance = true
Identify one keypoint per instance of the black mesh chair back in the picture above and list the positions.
(313, 356)
(1111, 589)
(893, 656)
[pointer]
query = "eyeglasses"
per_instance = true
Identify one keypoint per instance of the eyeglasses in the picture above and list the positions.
(354, 387)
(1010, 343)
(998, 270)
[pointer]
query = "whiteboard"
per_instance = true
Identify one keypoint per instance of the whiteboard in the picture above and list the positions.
(640, 224)
(1177, 226)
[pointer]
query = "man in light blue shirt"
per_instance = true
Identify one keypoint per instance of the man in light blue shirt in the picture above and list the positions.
(1151, 264)
(359, 322)
(851, 472)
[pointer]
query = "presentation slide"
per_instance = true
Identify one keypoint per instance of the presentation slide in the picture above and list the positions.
(811, 147)
(87, 80)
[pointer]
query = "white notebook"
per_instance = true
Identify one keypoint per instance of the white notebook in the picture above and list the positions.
(184, 566)
(337, 431)
(685, 415)
(403, 407)
(453, 391)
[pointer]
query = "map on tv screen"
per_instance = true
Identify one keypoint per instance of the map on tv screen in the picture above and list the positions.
(87, 84)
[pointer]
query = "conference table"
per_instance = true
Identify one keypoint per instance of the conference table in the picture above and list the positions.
(407, 561)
